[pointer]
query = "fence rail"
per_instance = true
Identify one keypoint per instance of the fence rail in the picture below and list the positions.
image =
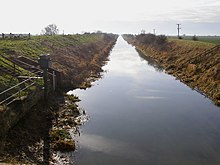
(11, 94)
(10, 99)
(10, 65)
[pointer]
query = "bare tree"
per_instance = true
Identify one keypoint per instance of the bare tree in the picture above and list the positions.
(50, 30)
(143, 31)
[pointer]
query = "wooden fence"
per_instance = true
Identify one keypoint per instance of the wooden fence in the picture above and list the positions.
(12, 93)
(15, 36)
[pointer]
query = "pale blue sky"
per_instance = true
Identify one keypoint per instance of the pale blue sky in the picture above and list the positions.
(198, 17)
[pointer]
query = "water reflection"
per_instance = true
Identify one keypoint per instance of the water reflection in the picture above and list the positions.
(149, 97)
(150, 61)
(98, 143)
(139, 115)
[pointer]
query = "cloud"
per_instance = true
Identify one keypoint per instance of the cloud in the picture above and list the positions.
(111, 16)
(193, 11)
(203, 14)
(208, 13)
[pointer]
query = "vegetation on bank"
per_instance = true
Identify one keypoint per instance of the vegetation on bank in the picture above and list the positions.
(208, 39)
(48, 127)
(195, 63)
(192, 44)
(37, 45)
(68, 52)
(76, 57)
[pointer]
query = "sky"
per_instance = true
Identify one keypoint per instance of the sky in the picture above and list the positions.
(197, 17)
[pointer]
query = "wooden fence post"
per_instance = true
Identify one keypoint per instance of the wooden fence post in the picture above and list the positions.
(54, 81)
(44, 62)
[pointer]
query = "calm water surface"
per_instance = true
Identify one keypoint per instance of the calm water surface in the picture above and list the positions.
(140, 115)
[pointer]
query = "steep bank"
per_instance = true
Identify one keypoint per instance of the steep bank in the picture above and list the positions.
(80, 62)
(44, 129)
(75, 56)
(189, 61)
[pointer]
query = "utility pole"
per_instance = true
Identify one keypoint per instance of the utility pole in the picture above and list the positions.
(154, 30)
(178, 30)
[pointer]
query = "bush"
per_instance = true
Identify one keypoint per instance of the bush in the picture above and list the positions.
(146, 38)
(151, 39)
(194, 38)
(161, 39)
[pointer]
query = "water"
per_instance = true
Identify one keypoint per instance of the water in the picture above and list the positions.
(140, 115)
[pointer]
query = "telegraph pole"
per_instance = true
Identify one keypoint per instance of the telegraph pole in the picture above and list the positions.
(178, 30)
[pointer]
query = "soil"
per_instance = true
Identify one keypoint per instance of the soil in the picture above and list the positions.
(188, 63)
(43, 132)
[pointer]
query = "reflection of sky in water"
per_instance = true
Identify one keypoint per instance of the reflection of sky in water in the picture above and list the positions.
(141, 116)
(109, 146)
(124, 63)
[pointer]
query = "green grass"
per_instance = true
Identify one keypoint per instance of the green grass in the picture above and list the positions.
(30, 48)
(6, 81)
(38, 45)
(214, 39)
(33, 48)
(8, 64)
(191, 43)
(207, 39)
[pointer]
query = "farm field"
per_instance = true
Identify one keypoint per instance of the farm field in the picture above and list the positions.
(208, 39)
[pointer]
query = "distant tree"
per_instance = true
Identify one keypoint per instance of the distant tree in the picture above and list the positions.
(50, 30)
(146, 38)
(161, 39)
(195, 38)
(143, 31)
(99, 32)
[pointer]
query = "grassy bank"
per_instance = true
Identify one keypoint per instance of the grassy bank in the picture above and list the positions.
(38, 45)
(45, 130)
(75, 56)
(184, 60)
(208, 39)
